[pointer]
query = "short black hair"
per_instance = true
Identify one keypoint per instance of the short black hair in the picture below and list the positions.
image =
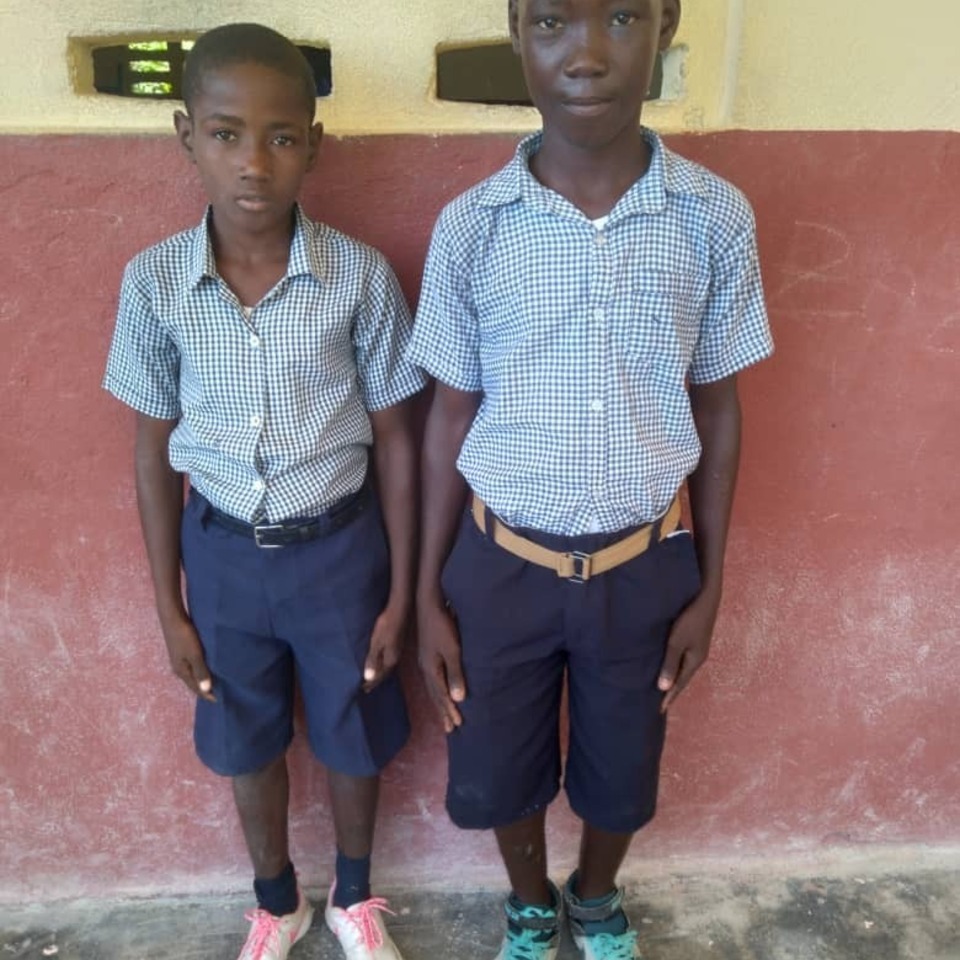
(235, 43)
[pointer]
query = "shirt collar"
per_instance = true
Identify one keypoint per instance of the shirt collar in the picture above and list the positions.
(304, 256)
(668, 173)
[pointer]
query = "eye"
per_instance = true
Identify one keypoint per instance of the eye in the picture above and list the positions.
(224, 136)
(283, 140)
(547, 23)
(624, 18)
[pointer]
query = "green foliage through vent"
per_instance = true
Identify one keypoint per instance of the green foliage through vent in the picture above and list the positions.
(153, 69)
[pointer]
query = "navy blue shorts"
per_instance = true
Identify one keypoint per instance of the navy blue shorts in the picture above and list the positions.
(302, 614)
(523, 631)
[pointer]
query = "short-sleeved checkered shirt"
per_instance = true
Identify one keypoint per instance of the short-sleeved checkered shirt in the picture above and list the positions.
(582, 337)
(272, 408)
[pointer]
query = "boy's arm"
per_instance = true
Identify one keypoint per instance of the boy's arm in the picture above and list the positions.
(160, 502)
(452, 413)
(716, 412)
(395, 464)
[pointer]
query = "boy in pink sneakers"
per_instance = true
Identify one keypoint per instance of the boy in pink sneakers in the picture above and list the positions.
(263, 353)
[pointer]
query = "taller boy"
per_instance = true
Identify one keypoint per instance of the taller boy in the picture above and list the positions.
(263, 354)
(585, 312)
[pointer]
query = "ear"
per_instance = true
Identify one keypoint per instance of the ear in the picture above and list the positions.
(184, 127)
(314, 138)
(513, 16)
(669, 23)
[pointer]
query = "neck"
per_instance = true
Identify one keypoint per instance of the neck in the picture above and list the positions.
(591, 178)
(269, 244)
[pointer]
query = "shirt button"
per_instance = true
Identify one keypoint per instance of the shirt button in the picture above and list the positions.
(258, 485)
(598, 315)
(254, 340)
(596, 406)
(255, 421)
(600, 239)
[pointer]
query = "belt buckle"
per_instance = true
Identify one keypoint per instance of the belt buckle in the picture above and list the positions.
(264, 528)
(582, 566)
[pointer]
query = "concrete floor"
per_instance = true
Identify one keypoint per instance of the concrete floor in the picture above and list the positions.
(734, 915)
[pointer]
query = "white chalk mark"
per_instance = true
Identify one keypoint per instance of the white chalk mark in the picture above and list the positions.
(825, 314)
(115, 219)
(945, 326)
(826, 268)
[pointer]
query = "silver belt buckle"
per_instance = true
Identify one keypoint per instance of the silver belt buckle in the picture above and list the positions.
(263, 528)
(582, 566)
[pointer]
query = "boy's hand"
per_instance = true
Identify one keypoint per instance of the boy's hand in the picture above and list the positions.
(386, 644)
(688, 647)
(440, 662)
(186, 658)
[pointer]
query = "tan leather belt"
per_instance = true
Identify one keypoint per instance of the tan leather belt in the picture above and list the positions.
(578, 567)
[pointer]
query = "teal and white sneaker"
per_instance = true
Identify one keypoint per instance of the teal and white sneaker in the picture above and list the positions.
(533, 933)
(601, 929)
(608, 946)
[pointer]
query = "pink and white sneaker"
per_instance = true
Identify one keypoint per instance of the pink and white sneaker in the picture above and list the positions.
(360, 929)
(272, 937)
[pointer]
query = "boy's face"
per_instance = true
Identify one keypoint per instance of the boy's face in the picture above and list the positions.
(589, 63)
(253, 141)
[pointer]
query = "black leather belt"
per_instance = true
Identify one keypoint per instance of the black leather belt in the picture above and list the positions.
(270, 536)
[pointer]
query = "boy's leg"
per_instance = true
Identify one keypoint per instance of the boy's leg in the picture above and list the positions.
(326, 603)
(523, 847)
(504, 761)
(601, 855)
(533, 908)
(262, 800)
(245, 734)
(354, 802)
(354, 916)
(616, 725)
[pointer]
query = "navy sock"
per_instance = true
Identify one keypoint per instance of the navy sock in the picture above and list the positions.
(278, 896)
(353, 881)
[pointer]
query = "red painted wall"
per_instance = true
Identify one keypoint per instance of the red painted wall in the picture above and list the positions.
(828, 714)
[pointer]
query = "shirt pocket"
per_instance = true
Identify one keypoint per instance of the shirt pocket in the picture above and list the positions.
(661, 324)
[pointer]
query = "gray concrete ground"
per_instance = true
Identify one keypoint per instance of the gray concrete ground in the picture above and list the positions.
(734, 915)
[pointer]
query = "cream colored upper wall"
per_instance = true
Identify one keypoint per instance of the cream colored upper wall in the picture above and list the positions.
(762, 64)
(849, 64)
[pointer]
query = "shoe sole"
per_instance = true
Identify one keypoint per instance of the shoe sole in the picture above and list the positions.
(551, 953)
(580, 944)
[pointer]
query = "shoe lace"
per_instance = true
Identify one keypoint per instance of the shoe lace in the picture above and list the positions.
(526, 945)
(364, 917)
(264, 934)
(610, 946)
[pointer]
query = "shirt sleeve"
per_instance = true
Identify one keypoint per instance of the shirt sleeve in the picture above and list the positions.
(446, 335)
(381, 335)
(143, 366)
(735, 330)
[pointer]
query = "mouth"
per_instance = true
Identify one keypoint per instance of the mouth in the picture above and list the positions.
(254, 203)
(587, 106)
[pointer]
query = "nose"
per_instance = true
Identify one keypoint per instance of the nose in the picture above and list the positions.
(255, 160)
(587, 55)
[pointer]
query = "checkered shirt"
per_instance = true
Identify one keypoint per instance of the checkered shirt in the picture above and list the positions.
(582, 339)
(272, 410)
